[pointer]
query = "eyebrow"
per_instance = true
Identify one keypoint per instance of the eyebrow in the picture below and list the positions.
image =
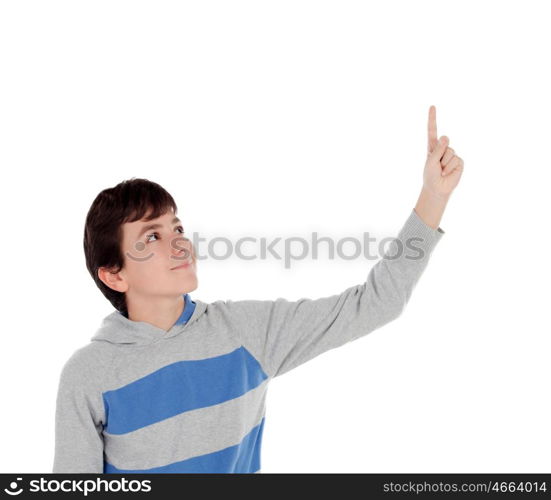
(156, 226)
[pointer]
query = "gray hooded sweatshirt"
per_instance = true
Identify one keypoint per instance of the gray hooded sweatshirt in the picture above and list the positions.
(139, 399)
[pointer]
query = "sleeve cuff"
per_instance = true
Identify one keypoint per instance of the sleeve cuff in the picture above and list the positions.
(421, 234)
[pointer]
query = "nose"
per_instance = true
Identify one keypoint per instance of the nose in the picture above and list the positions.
(182, 248)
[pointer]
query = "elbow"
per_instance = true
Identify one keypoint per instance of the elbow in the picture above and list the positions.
(394, 307)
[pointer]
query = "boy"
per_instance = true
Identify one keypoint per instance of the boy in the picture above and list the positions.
(170, 384)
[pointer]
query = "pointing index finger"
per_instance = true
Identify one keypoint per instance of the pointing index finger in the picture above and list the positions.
(433, 138)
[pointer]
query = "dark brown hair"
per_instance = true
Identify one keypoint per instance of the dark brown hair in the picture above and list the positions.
(128, 201)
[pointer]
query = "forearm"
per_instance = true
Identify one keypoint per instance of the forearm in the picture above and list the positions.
(430, 207)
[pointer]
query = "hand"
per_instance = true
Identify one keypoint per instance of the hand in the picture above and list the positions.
(443, 167)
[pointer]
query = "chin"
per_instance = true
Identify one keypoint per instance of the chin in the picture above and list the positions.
(189, 286)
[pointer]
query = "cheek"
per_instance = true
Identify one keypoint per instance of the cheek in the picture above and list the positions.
(139, 254)
(146, 269)
(155, 265)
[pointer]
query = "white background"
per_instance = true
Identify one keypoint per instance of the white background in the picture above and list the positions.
(277, 119)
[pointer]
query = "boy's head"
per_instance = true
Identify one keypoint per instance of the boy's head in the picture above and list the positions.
(127, 260)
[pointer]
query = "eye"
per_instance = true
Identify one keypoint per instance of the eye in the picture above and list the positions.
(157, 234)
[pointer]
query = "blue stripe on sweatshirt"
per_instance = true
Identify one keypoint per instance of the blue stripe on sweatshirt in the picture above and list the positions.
(241, 458)
(179, 387)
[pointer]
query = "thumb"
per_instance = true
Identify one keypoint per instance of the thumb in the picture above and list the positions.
(440, 149)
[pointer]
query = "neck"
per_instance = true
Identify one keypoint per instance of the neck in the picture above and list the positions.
(161, 312)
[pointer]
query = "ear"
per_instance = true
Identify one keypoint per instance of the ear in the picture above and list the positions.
(113, 280)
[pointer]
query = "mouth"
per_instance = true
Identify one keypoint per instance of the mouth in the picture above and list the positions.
(185, 264)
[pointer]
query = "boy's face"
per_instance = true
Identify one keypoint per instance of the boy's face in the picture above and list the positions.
(151, 254)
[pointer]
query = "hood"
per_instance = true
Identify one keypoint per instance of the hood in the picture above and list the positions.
(118, 329)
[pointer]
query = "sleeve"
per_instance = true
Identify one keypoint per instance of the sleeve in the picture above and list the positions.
(282, 335)
(78, 420)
